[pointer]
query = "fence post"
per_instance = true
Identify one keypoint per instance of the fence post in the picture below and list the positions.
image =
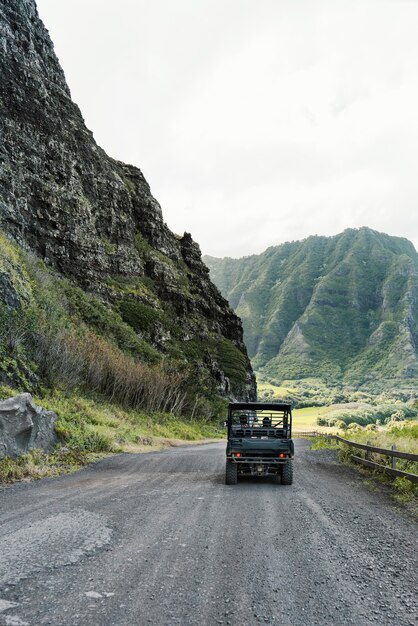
(368, 451)
(394, 458)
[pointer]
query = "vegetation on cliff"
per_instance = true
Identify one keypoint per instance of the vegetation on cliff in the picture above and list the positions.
(112, 390)
(54, 335)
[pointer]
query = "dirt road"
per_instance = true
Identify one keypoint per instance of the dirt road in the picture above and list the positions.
(159, 539)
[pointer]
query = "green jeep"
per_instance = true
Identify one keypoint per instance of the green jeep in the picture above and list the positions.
(259, 441)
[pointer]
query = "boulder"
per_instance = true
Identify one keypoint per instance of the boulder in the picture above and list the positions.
(25, 426)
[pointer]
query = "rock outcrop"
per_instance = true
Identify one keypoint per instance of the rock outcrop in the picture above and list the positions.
(25, 426)
(92, 218)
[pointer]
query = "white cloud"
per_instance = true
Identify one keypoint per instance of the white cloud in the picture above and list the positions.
(254, 122)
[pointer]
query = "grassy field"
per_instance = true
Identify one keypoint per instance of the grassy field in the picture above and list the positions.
(275, 391)
(306, 419)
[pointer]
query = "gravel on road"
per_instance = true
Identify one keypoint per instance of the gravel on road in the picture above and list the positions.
(159, 539)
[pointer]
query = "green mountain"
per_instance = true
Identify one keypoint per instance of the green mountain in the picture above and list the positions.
(95, 290)
(338, 308)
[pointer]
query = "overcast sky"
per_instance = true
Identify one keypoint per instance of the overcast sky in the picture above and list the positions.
(254, 121)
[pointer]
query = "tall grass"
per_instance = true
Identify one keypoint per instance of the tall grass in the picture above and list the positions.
(89, 428)
(402, 434)
(82, 359)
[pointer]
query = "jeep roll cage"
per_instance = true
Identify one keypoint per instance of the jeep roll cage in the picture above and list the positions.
(259, 419)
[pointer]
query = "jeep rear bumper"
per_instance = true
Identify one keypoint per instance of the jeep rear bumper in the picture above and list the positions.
(264, 461)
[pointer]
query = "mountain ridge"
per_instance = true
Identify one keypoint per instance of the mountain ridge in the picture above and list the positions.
(341, 307)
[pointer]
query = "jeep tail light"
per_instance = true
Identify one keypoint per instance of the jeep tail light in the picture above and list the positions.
(237, 453)
(281, 455)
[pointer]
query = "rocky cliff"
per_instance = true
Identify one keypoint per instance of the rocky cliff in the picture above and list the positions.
(343, 307)
(95, 220)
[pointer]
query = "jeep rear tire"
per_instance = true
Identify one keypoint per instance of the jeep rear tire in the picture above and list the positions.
(287, 473)
(231, 473)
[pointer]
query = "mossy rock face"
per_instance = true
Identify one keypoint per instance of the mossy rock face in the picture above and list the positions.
(138, 287)
(219, 355)
(8, 294)
(17, 319)
(231, 360)
(15, 284)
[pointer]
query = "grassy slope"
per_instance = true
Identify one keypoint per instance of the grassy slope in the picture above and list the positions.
(63, 337)
(306, 419)
(62, 345)
(89, 427)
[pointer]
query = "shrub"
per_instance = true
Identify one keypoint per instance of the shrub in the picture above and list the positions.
(408, 428)
(6, 392)
(397, 416)
(139, 316)
(69, 360)
(59, 358)
(15, 327)
(90, 442)
(405, 490)
(132, 383)
(345, 453)
(354, 427)
(10, 470)
(403, 485)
